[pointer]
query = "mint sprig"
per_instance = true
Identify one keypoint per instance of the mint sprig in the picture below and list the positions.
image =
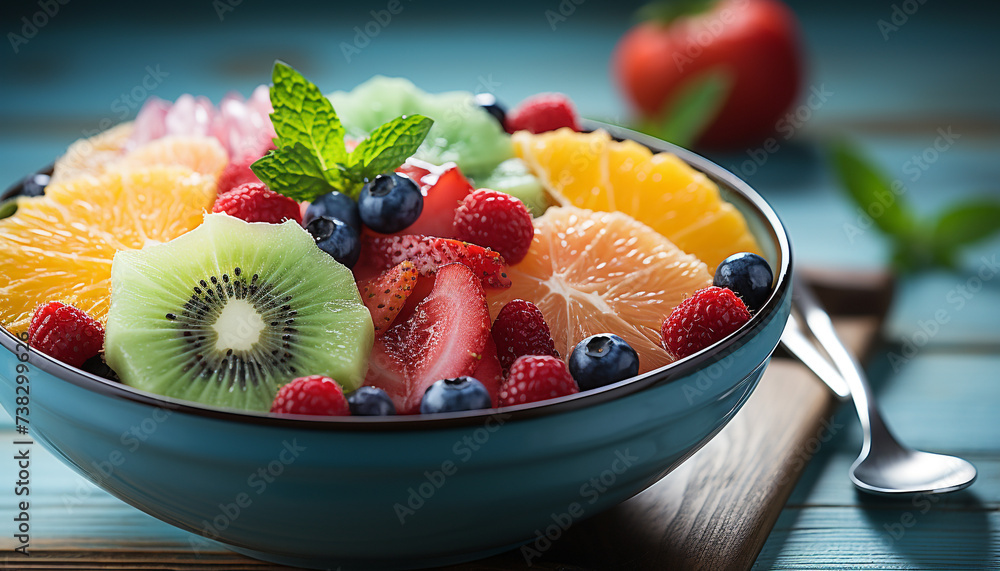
(311, 158)
(692, 108)
(918, 243)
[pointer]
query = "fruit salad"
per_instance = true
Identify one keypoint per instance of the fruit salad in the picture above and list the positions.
(372, 252)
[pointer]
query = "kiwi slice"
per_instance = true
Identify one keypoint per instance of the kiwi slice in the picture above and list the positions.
(231, 311)
(514, 177)
(463, 132)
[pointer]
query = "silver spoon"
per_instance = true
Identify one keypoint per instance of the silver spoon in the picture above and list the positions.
(885, 466)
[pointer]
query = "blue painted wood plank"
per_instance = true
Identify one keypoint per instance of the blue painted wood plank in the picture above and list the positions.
(920, 536)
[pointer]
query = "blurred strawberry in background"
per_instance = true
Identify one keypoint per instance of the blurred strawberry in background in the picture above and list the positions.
(719, 73)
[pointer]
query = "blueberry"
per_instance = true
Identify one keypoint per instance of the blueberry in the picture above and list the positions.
(370, 401)
(452, 395)
(35, 185)
(601, 360)
(390, 203)
(488, 102)
(748, 276)
(334, 205)
(336, 238)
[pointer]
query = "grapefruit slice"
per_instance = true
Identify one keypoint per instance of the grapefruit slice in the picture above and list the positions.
(599, 272)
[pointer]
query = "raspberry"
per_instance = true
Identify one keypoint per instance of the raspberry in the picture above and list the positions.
(66, 333)
(495, 220)
(254, 202)
(534, 378)
(238, 172)
(541, 113)
(702, 319)
(314, 395)
(520, 329)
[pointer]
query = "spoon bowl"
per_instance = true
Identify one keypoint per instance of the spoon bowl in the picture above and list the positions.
(884, 467)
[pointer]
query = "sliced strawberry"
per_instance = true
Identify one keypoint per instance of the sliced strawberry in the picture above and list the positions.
(385, 295)
(444, 338)
(420, 290)
(489, 372)
(429, 253)
(444, 187)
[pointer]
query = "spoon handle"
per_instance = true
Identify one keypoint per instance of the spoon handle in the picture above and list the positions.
(796, 342)
(817, 322)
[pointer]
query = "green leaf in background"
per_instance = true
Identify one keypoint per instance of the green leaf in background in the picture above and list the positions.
(694, 106)
(302, 114)
(294, 172)
(965, 223)
(389, 145)
(872, 191)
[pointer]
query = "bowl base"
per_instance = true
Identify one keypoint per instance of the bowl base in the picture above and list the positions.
(333, 563)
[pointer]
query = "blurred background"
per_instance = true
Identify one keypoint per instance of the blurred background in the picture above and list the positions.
(912, 84)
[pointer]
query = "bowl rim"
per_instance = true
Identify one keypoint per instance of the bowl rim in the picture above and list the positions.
(739, 189)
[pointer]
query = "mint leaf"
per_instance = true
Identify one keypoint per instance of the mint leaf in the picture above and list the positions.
(872, 191)
(389, 146)
(695, 104)
(294, 172)
(302, 114)
(965, 223)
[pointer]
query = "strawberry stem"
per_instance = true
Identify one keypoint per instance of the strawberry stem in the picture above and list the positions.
(667, 11)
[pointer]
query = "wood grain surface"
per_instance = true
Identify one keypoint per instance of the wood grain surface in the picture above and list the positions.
(715, 511)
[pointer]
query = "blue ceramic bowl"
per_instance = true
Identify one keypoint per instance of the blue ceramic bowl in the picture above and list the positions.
(407, 492)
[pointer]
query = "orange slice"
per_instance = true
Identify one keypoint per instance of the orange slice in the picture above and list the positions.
(59, 247)
(592, 171)
(598, 272)
(106, 152)
(84, 156)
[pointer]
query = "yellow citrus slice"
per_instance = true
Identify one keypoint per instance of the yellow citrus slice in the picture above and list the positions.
(592, 171)
(59, 247)
(86, 156)
(106, 152)
(599, 272)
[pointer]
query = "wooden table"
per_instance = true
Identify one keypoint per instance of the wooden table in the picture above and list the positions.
(937, 71)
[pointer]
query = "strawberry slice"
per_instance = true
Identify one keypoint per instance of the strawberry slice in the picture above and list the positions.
(445, 338)
(444, 187)
(386, 295)
(489, 372)
(429, 253)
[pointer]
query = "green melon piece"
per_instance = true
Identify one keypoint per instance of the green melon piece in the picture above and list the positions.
(463, 132)
(513, 177)
(231, 311)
